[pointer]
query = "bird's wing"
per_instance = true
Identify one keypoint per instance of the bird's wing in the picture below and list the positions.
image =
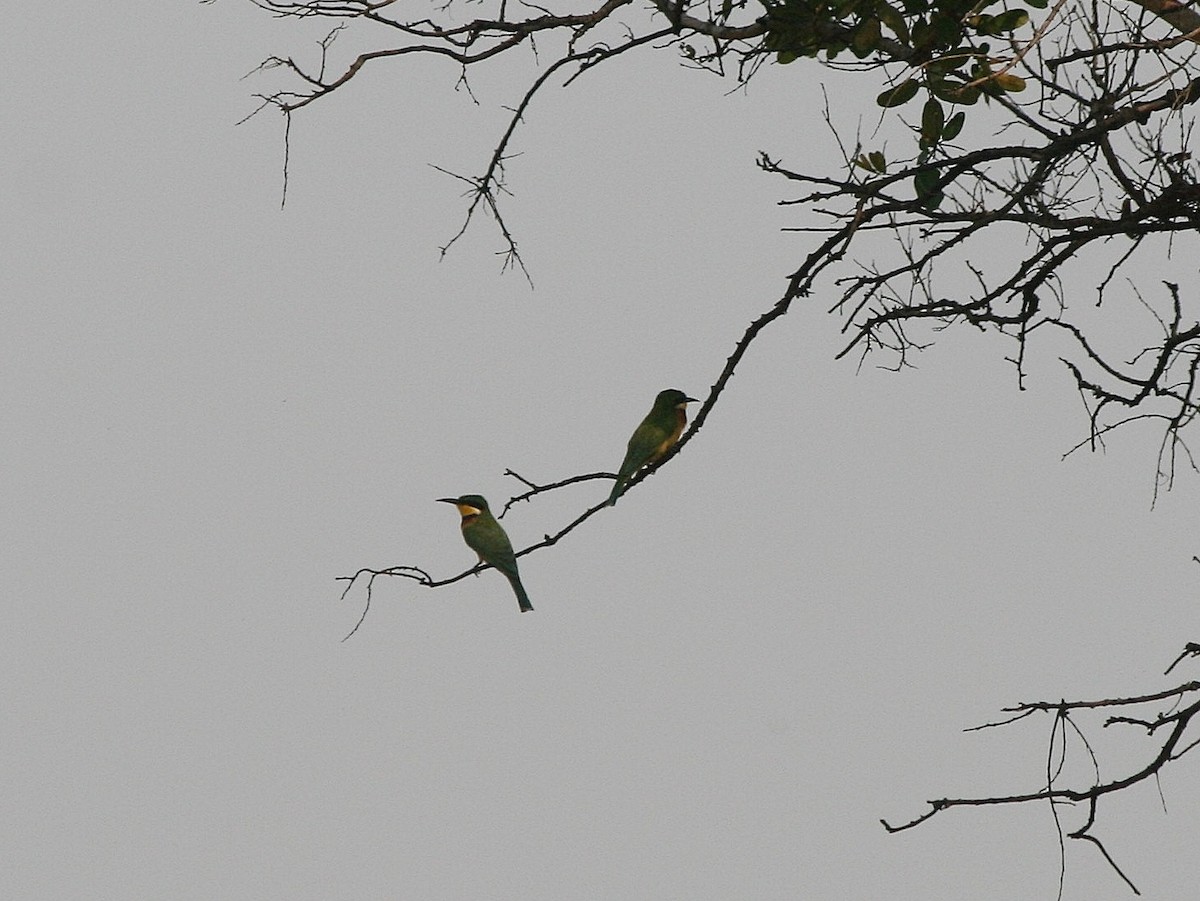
(491, 542)
(645, 441)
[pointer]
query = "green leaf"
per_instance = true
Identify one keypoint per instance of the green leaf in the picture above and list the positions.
(954, 92)
(926, 184)
(866, 38)
(1009, 20)
(894, 20)
(933, 117)
(954, 125)
(1010, 83)
(944, 64)
(899, 95)
(922, 35)
(947, 32)
(872, 162)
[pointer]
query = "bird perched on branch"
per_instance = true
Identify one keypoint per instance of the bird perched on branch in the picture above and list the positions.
(654, 437)
(487, 538)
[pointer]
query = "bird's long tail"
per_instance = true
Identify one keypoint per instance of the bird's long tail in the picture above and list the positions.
(618, 488)
(519, 591)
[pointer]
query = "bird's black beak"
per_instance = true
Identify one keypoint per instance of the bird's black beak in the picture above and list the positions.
(447, 500)
(690, 400)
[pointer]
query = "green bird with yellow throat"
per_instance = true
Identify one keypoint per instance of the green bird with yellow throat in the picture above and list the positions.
(487, 538)
(654, 437)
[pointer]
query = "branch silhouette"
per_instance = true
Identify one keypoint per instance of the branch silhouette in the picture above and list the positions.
(1175, 722)
(1102, 155)
(535, 489)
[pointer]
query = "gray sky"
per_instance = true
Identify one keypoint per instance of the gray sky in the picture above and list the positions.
(215, 407)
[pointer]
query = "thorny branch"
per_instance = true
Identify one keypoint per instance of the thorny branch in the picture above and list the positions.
(1094, 171)
(1174, 721)
(1103, 158)
(472, 43)
(421, 577)
(1027, 220)
(1093, 183)
(1094, 168)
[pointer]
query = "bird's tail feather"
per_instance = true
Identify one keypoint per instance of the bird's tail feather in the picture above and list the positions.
(522, 597)
(618, 488)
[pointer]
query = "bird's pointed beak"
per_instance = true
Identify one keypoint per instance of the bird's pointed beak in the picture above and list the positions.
(690, 400)
(447, 500)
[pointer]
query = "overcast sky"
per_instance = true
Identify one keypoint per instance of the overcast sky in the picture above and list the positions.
(214, 407)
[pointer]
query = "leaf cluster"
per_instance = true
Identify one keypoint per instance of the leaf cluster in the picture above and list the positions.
(944, 33)
(944, 43)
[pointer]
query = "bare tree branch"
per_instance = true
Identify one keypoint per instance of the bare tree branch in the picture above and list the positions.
(1175, 722)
